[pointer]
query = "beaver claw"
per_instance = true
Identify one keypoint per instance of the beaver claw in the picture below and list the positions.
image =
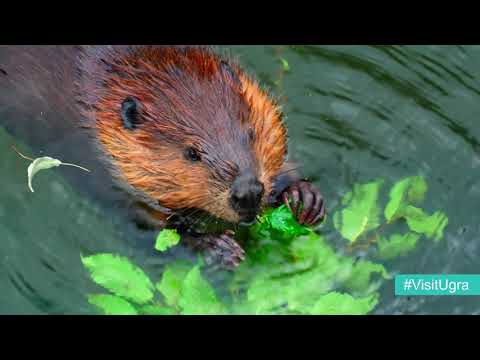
(313, 209)
(223, 250)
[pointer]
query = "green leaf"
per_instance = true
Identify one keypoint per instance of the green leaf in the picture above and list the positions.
(430, 225)
(335, 303)
(314, 249)
(281, 219)
(198, 297)
(410, 190)
(170, 285)
(312, 246)
(397, 245)
(295, 292)
(285, 65)
(278, 223)
(359, 280)
(264, 258)
(112, 305)
(166, 239)
(156, 310)
(292, 282)
(118, 275)
(362, 211)
(38, 164)
(417, 189)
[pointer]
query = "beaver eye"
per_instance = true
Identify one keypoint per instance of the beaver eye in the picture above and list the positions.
(192, 154)
(130, 112)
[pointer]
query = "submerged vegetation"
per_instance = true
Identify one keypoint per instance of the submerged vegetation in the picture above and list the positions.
(290, 268)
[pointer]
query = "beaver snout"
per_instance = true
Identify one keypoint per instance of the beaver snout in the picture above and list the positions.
(245, 196)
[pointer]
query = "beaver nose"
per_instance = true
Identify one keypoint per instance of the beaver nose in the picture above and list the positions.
(246, 195)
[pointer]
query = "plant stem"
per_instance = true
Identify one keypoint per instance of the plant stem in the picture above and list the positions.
(78, 166)
(19, 153)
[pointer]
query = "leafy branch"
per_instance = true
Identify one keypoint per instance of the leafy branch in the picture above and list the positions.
(290, 269)
(361, 216)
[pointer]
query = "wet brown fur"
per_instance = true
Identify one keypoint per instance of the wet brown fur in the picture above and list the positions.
(188, 99)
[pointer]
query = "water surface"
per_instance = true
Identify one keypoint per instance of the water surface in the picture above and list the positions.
(355, 113)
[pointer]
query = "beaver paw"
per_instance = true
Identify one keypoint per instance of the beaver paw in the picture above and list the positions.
(222, 250)
(313, 209)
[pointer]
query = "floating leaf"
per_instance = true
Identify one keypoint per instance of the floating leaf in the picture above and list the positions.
(166, 239)
(290, 277)
(322, 256)
(42, 163)
(38, 164)
(335, 303)
(397, 245)
(430, 225)
(285, 65)
(362, 211)
(292, 270)
(118, 275)
(307, 270)
(262, 259)
(359, 280)
(172, 279)
(287, 283)
(266, 295)
(311, 246)
(416, 190)
(198, 297)
(410, 190)
(156, 310)
(112, 305)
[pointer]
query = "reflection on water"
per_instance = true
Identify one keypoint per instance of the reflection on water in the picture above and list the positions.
(355, 113)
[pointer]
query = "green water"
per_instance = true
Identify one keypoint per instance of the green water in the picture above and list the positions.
(355, 113)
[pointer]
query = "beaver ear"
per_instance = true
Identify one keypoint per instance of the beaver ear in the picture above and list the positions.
(130, 112)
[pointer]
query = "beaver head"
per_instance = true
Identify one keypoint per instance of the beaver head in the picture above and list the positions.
(185, 127)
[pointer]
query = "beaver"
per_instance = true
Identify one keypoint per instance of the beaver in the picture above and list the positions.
(180, 129)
